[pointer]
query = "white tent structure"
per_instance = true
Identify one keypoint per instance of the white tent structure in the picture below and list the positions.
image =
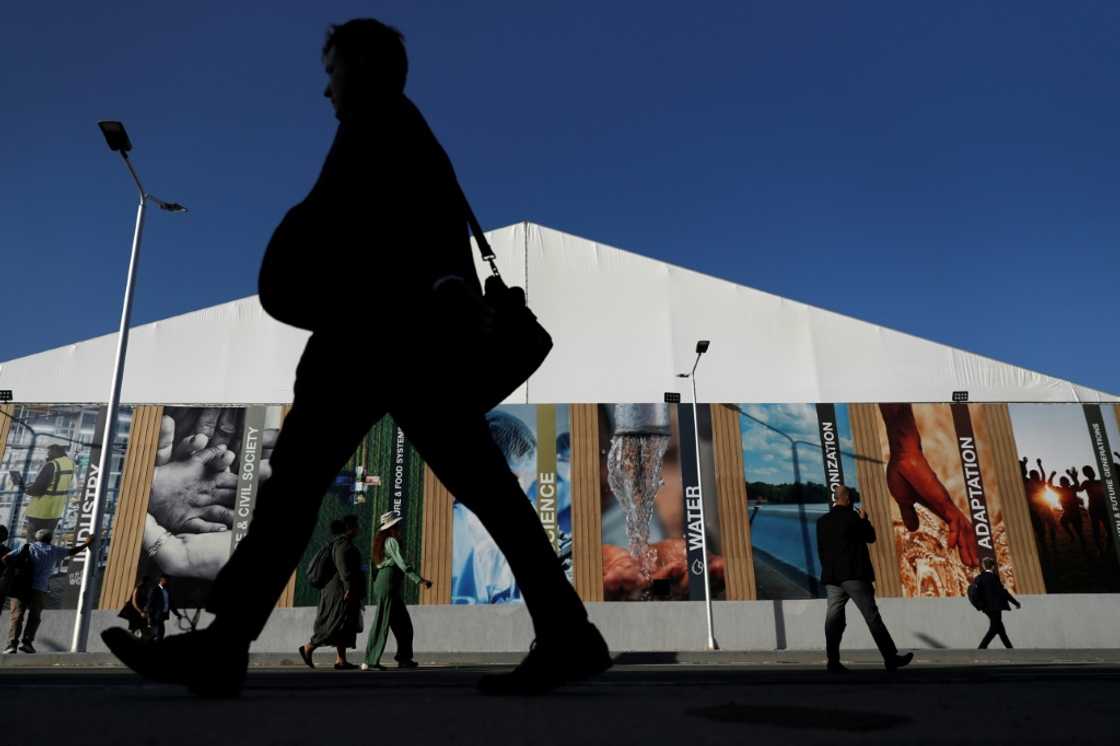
(623, 325)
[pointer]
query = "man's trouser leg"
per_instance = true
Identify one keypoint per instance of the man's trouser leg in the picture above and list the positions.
(834, 621)
(158, 629)
(995, 627)
(330, 414)
(863, 595)
(455, 442)
(401, 625)
(15, 621)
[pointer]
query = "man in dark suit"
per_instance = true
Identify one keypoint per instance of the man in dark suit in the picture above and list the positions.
(158, 608)
(846, 572)
(994, 600)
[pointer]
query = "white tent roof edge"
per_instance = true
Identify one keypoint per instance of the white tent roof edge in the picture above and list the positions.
(623, 325)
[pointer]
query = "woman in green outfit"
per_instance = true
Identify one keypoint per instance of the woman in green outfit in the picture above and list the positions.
(391, 610)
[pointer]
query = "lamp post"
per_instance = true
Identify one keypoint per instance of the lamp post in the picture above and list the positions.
(701, 348)
(117, 140)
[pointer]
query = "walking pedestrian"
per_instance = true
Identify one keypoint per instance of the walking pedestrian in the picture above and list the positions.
(392, 613)
(159, 608)
(846, 572)
(339, 619)
(28, 603)
(134, 610)
(387, 206)
(994, 599)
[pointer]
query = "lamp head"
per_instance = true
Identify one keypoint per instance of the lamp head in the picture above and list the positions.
(115, 137)
(702, 346)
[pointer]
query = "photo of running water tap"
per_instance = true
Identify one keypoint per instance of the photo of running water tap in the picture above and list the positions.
(642, 500)
(641, 436)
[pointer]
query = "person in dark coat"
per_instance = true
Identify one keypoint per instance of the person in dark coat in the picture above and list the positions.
(846, 572)
(340, 604)
(386, 208)
(159, 608)
(134, 609)
(994, 600)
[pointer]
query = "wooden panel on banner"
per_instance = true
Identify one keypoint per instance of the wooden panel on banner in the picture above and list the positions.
(288, 597)
(435, 546)
(127, 534)
(587, 519)
(875, 496)
(1013, 499)
(731, 487)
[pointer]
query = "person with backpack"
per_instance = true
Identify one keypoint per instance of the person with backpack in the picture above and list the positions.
(987, 594)
(337, 570)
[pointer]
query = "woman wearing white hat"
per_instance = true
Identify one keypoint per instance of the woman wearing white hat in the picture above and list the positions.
(391, 610)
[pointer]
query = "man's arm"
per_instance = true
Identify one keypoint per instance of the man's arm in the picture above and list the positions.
(867, 531)
(80, 548)
(42, 482)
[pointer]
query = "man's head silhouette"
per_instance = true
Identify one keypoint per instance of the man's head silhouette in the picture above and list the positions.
(365, 61)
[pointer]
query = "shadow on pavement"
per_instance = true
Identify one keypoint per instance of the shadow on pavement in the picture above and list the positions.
(802, 718)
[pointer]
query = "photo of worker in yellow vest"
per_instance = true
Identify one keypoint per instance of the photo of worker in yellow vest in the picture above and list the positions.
(50, 492)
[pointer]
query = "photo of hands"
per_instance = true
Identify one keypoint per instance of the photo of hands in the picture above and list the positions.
(209, 463)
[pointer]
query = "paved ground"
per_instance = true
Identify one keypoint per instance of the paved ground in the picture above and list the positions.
(953, 697)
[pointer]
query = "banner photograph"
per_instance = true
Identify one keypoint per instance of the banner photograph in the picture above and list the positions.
(1067, 463)
(650, 492)
(48, 477)
(207, 469)
(384, 474)
(537, 443)
(946, 511)
(794, 457)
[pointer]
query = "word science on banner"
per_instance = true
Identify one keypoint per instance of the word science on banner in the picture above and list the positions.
(693, 507)
(973, 481)
(830, 448)
(546, 473)
(1102, 449)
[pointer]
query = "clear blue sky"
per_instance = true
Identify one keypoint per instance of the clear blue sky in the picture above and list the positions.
(949, 169)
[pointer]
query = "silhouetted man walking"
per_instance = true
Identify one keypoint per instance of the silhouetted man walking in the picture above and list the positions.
(994, 600)
(387, 211)
(846, 571)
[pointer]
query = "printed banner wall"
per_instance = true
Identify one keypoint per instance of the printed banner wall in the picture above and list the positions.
(1063, 452)
(536, 441)
(207, 470)
(650, 499)
(794, 457)
(48, 475)
(940, 471)
(384, 474)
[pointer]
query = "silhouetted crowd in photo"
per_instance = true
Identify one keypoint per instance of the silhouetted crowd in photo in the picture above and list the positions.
(1067, 505)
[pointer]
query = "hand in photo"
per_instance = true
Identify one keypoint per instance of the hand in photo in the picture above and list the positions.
(195, 495)
(198, 556)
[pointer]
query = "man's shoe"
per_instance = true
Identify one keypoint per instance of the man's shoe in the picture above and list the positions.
(10, 650)
(898, 661)
(27, 647)
(408, 664)
(209, 664)
(836, 667)
(551, 663)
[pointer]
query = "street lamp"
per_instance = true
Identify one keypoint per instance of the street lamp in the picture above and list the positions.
(118, 141)
(701, 348)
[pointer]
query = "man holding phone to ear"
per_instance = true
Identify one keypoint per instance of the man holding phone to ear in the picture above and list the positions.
(846, 572)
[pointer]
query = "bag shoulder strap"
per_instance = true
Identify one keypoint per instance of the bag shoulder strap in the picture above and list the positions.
(476, 229)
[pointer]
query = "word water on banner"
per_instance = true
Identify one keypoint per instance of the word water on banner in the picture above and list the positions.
(693, 502)
(248, 472)
(546, 472)
(1107, 489)
(830, 448)
(402, 457)
(973, 481)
